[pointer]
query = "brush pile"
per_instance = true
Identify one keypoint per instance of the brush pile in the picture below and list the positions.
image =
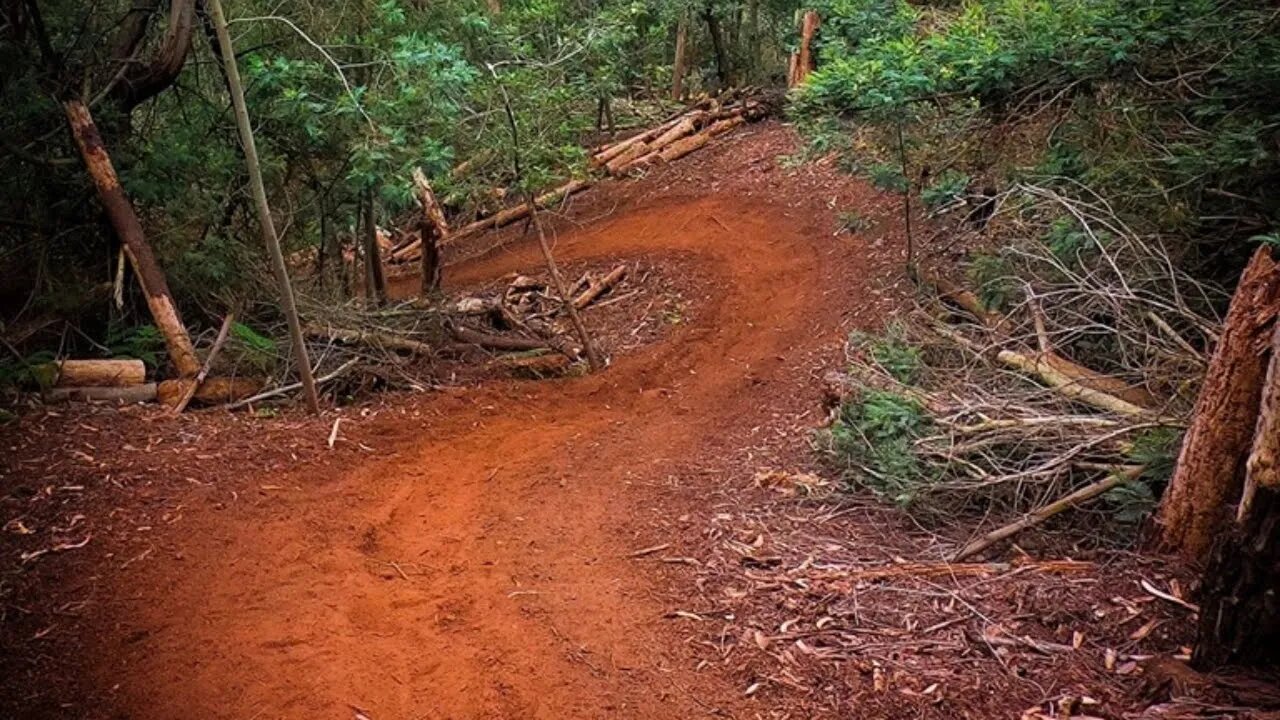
(1066, 374)
(521, 328)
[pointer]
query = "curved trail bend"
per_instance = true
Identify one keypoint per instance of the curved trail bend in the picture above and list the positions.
(481, 571)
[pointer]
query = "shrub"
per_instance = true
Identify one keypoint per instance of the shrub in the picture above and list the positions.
(873, 437)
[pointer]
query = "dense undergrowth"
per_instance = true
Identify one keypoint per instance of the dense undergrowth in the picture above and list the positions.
(1084, 161)
(347, 100)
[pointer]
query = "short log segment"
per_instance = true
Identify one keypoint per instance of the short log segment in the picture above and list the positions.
(212, 391)
(100, 373)
(128, 395)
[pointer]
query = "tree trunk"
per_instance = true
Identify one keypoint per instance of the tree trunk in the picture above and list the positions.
(678, 67)
(287, 304)
(753, 41)
(724, 67)
(1262, 470)
(375, 280)
(432, 228)
(1239, 606)
(1208, 478)
(1240, 609)
(124, 220)
(803, 64)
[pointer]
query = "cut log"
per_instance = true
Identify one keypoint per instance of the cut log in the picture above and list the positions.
(468, 336)
(371, 338)
(212, 391)
(124, 220)
(596, 289)
(128, 395)
(100, 373)
(679, 149)
(1208, 477)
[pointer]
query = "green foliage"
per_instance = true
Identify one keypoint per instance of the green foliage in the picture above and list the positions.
(993, 280)
(1168, 108)
(891, 351)
(887, 177)
(142, 342)
(947, 188)
(874, 435)
(33, 371)
(852, 221)
(258, 351)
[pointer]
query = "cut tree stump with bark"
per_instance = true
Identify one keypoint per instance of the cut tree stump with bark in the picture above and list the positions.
(433, 228)
(1239, 606)
(124, 220)
(1209, 477)
(1240, 591)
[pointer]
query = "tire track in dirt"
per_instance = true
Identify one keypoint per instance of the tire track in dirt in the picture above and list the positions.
(480, 571)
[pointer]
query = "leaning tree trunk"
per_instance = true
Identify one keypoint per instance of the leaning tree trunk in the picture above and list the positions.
(126, 224)
(1240, 609)
(1209, 475)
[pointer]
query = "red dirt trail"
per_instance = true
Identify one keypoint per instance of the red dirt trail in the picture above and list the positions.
(482, 572)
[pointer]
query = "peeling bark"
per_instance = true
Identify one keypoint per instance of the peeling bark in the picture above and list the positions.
(1209, 475)
(127, 226)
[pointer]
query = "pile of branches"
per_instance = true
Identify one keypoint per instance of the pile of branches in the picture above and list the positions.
(1065, 371)
(522, 328)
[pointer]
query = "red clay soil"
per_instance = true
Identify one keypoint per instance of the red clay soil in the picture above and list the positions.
(463, 554)
(588, 547)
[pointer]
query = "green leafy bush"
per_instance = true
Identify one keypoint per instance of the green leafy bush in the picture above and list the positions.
(887, 177)
(873, 436)
(947, 188)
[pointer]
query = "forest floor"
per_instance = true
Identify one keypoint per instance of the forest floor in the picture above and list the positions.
(650, 541)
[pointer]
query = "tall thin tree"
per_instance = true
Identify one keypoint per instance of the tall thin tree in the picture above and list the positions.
(269, 237)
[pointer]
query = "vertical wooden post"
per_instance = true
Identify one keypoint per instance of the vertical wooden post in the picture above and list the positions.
(124, 219)
(287, 303)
